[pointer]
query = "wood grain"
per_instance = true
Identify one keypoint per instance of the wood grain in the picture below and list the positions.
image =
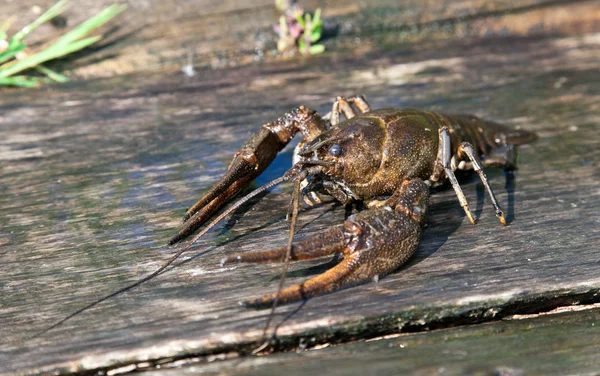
(565, 343)
(95, 176)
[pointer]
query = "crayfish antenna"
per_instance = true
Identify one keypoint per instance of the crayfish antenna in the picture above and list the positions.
(237, 204)
(287, 176)
(293, 214)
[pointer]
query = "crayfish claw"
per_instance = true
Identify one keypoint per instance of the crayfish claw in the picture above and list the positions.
(324, 244)
(333, 279)
(374, 243)
(256, 154)
(249, 162)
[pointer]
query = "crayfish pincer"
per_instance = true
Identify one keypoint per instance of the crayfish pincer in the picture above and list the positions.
(373, 242)
(384, 161)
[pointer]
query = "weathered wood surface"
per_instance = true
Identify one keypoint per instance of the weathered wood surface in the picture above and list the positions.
(556, 344)
(95, 176)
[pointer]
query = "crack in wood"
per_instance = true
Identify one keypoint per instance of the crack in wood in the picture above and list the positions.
(377, 328)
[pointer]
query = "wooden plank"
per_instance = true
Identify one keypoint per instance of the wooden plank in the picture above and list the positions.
(95, 176)
(557, 344)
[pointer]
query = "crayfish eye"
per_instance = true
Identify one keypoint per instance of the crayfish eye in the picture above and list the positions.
(335, 150)
(417, 211)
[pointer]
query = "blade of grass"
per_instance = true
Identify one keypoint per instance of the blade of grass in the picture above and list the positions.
(54, 11)
(21, 81)
(93, 23)
(70, 42)
(52, 52)
(5, 27)
(55, 76)
(10, 53)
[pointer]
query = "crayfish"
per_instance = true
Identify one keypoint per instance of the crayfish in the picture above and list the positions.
(384, 160)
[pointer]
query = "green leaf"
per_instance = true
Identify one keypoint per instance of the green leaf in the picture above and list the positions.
(302, 46)
(301, 21)
(307, 19)
(316, 49)
(317, 17)
(315, 35)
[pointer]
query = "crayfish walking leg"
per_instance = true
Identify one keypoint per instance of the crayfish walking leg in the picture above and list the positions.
(343, 106)
(445, 161)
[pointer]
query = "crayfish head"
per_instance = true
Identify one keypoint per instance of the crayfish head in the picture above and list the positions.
(350, 152)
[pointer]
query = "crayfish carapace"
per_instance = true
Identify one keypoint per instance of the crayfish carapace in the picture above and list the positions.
(384, 159)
